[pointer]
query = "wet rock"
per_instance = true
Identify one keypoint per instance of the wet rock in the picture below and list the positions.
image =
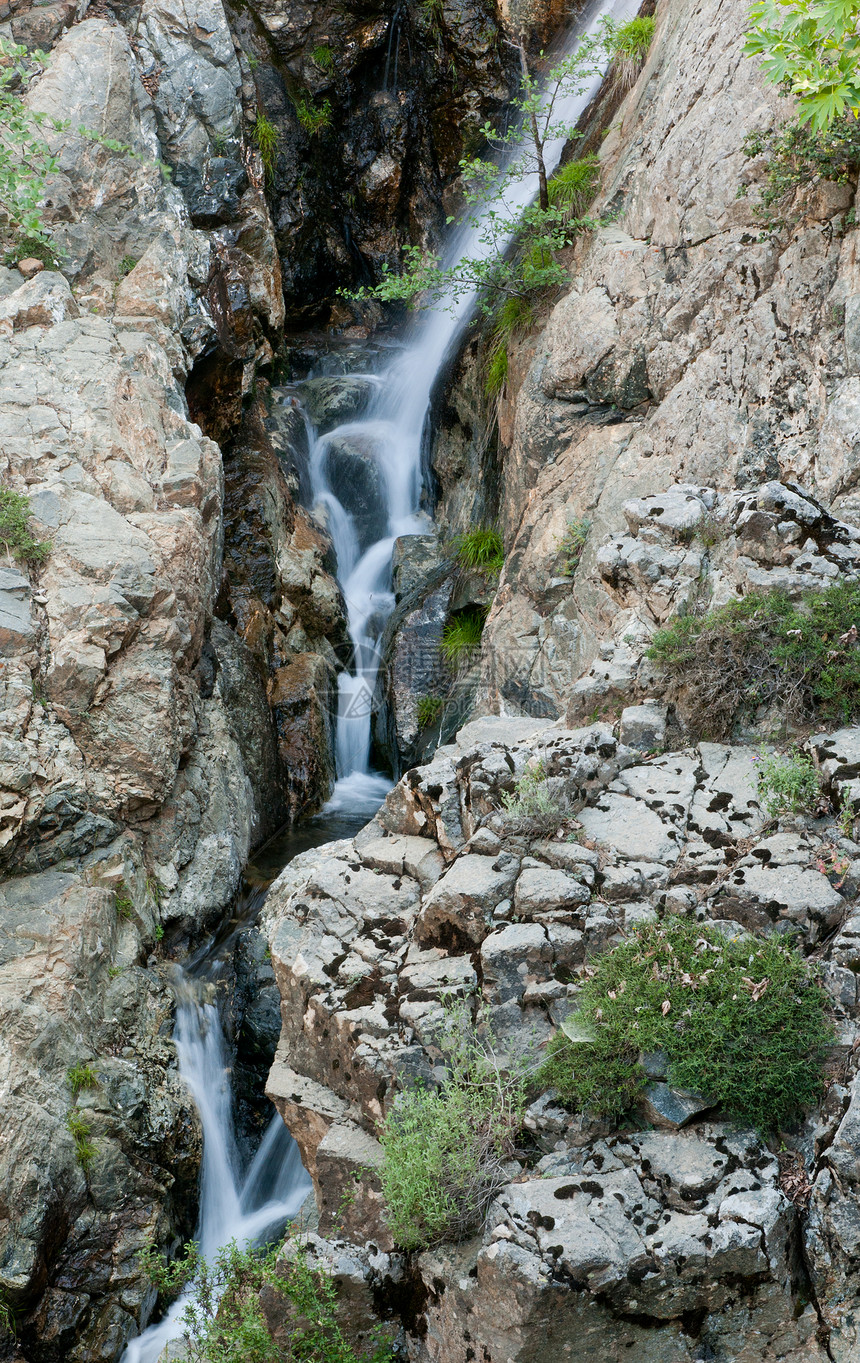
(331, 402)
(357, 479)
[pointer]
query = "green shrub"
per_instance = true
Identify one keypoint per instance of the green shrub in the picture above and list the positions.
(314, 118)
(80, 1129)
(445, 1149)
(571, 545)
(481, 549)
(787, 785)
(574, 186)
(461, 637)
(223, 1321)
(266, 136)
(122, 901)
(534, 805)
(629, 46)
(14, 534)
(428, 710)
(742, 1020)
(765, 649)
(797, 158)
(80, 1077)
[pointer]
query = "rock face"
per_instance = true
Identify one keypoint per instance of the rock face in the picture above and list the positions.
(670, 1241)
(689, 352)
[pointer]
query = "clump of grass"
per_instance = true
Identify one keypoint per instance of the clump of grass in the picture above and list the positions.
(535, 806)
(572, 544)
(80, 1077)
(122, 901)
(461, 637)
(80, 1130)
(14, 532)
(482, 550)
(323, 57)
(629, 44)
(428, 710)
(266, 137)
(743, 1021)
(765, 649)
(314, 118)
(516, 315)
(574, 185)
(445, 1149)
(787, 785)
(126, 265)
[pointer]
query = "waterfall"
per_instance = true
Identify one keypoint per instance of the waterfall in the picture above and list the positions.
(233, 1206)
(390, 434)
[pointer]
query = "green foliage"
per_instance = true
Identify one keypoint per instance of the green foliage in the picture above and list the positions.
(445, 1149)
(481, 549)
(323, 57)
(515, 315)
(573, 187)
(848, 815)
(80, 1077)
(14, 534)
(428, 710)
(159, 932)
(26, 161)
(787, 785)
(80, 1129)
(8, 1324)
(629, 45)
(126, 265)
(122, 901)
(266, 137)
(461, 637)
(799, 157)
(534, 806)
(742, 1020)
(497, 371)
(314, 118)
(811, 48)
(223, 1321)
(572, 543)
(765, 649)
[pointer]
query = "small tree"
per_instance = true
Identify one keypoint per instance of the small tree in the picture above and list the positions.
(812, 49)
(494, 271)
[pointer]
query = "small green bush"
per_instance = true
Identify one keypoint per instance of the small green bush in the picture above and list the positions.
(798, 158)
(571, 545)
(223, 1320)
(80, 1077)
(787, 785)
(428, 710)
(461, 637)
(765, 649)
(314, 118)
(80, 1130)
(445, 1149)
(743, 1021)
(534, 805)
(574, 186)
(14, 518)
(266, 136)
(482, 550)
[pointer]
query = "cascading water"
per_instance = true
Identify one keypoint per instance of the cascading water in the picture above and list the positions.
(390, 437)
(391, 433)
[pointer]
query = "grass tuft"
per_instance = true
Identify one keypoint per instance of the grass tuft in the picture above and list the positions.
(482, 550)
(571, 545)
(461, 637)
(765, 649)
(84, 1148)
(535, 806)
(742, 1020)
(574, 186)
(266, 137)
(629, 44)
(80, 1077)
(787, 785)
(428, 710)
(314, 118)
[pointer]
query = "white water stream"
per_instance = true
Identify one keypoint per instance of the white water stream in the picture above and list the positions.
(244, 1207)
(393, 429)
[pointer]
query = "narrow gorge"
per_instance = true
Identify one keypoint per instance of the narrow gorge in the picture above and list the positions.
(429, 777)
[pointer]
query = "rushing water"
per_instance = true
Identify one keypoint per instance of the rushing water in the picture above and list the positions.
(392, 432)
(246, 1206)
